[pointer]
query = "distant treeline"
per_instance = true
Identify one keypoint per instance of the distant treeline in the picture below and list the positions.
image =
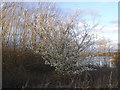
(106, 54)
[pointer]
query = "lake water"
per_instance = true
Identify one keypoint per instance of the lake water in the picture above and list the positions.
(97, 61)
(102, 61)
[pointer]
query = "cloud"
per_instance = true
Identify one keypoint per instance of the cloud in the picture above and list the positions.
(93, 12)
(111, 28)
(110, 32)
(115, 22)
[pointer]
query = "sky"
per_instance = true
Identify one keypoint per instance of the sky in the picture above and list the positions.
(107, 16)
(102, 8)
(107, 13)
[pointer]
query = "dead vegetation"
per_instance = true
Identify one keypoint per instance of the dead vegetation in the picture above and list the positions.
(41, 49)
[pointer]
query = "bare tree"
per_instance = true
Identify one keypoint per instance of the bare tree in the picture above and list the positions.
(64, 41)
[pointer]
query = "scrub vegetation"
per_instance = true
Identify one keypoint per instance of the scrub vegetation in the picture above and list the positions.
(43, 47)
